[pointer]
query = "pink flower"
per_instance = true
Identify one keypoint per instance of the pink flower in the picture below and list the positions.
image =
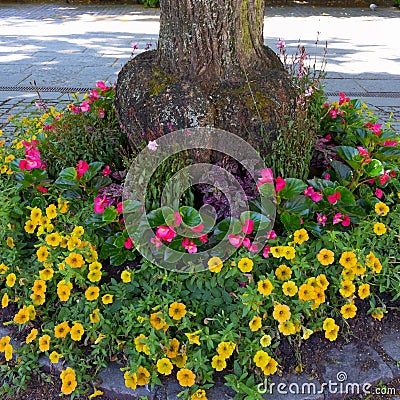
(280, 183)
(106, 171)
(325, 105)
(333, 198)
(316, 197)
(156, 241)
(42, 189)
(378, 193)
(248, 226)
(198, 228)
(165, 233)
(102, 86)
(333, 113)
(337, 218)
(327, 176)
(100, 204)
(246, 243)
(392, 173)
(266, 177)
(93, 95)
(81, 168)
(384, 178)
(203, 238)
(189, 246)
(280, 44)
(119, 207)
(363, 152)
(346, 220)
(32, 155)
(271, 235)
(85, 106)
(101, 113)
(75, 109)
(343, 98)
(266, 251)
(235, 240)
(152, 145)
(309, 191)
(376, 128)
(390, 143)
(253, 248)
(128, 244)
(322, 219)
(177, 218)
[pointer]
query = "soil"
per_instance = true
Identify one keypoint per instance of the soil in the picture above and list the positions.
(313, 352)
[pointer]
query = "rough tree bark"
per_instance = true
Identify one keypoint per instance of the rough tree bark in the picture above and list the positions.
(210, 68)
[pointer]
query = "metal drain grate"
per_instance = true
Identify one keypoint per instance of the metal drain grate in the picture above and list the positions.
(57, 89)
(385, 95)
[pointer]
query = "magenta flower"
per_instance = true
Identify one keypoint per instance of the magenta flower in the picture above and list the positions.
(266, 251)
(128, 244)
(246, 243)
(203, 238)
(120, 207)
(384, 178)
(235, 240)
(333, 198)
(156, 241)
(390, 143)
(337, 218)
(75, 109)
(343, 98)
(271, 235)
(266, 177)
(363, 152)
(32, 156)
(85, 106)
(42, 189)
(165, 233)
(378, 193)
(280, 183)
(248, 226)
(102, 86)
(280, 44)
(346, 220)
(106, 171)
(100, 204)
(93, 95)
(376, 128)
(316, 197)
(327, 176)
(189, 246)
(198, 228)
(101, 113)
(322, 219)
(177, 218)
(81, 168)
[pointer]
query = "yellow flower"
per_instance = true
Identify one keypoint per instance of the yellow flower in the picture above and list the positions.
(306, 292)
(381, 209)
(38, 299)
(61, 330)
(95, 266)
(125, 276)
(287, 328)
(10, 280)
(373, 262)
(62, 206)
(300, 236)
(180, 360)
(265, 287)
(107, 298)
(359, 269)
(78, 231)
(348, 259)
(46, 274)
(75, 260)
(44, 343)
(156, 321)
(364, 291)
(143, 376)
(378, 313)
(218, 363)
(10, 242)
(39, 287)
(281, 312)
(95, 394)
(199, 394)
(326, 257)
(4, 300)
(141, 344)
(63, 292)
(55, 357)
(30, 226)
(277, 251)
(94, 317)
(266, 341)
(68, 381)
(332, 334)
(261, 358)
(379, 228)
(77, 332)
(22, 316)
(177, 311)
(94, 275)
(283, 272)
(53, 239)
(31, 336)
(42, 253)
(36, 215)
(245, 264)
(307, 333)
(289, 288)
(255, 324)
(194, 338)
(347, 289)
(348, 274)
(271, 367)
(8, 352)
(289, 252)
(322, 282)
(31, 312)
(164, 366)
(130, 380)
(215, 264)
(9, 158)
(348, 310)
(328, 324)
(4, 341)
(225, 349)
(73, 242)
(172, 350)
(92, 293)
(51, 211)
(186, 377)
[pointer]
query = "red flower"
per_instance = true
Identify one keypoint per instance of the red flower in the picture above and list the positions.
(100, 204)
(248, 226)
(333, 198)
(42, 189)
(106, 171)
(280, 183)
(128, 244)
(81, 168)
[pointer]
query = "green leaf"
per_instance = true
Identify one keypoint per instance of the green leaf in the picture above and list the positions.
(387, 153)
(69, 174)
(291, 222)
(94, 168)
(109, 214)
(267, 190)
(100, 181)
(343, 172)
(118, 259)
(65, 184)
(299, 204)
(349, 154)
(293, 186)
(156, 217)
(346, 196)
(190, 216)
(374, 168)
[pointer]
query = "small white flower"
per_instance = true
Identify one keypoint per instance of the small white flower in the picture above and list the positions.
(152, 145)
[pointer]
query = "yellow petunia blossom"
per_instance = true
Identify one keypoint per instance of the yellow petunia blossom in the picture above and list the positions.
(215, 264)
(271, 367)
(300, 236)
(255, 324)
(126, 276)
(379, 228)
(306, 292)
(30, 226)
(186, 377)
(347, 288)
(199, 394)
(283, 272)
(281, 312)
(348, 310)
(92, 293)
(348, 259)
(44, 343)
(51, 211)
(218, 363)
(289, 288)
(107, 298)
(194, 338)
(75, 260)
(164, 366)
(225, 349)
(245, 264)
(130, 380)
(11, 279)
(265, 287)
(326, 257)
(55, 357)
(143, 376)
(177, 311)
(364, 291)
(77, 332)
(4, 300)
(156, 321)
(287, 328)
(10, 242)
(31, 336)
(42, 253)
(381, 209)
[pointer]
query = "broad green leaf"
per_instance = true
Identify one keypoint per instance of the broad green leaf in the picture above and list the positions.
(293, 186)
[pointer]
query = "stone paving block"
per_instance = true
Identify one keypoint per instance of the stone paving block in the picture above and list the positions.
(353, 370)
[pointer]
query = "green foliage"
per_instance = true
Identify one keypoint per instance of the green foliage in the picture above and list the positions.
(151, 3)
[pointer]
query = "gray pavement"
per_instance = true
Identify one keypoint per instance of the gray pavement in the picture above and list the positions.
(67, 48)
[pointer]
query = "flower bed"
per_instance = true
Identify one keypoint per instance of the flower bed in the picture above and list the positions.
(83, 295)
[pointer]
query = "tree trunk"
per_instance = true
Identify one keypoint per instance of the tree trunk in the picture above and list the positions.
(212, 39)
(211, 68)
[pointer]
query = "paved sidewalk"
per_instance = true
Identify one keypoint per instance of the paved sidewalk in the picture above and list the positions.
(67, 48)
